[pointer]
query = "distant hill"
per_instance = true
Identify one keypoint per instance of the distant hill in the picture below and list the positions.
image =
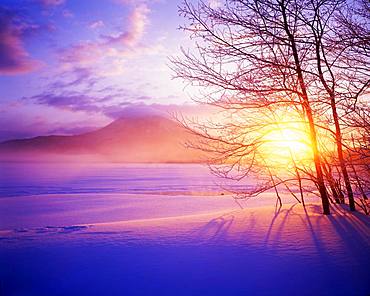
(142, 138)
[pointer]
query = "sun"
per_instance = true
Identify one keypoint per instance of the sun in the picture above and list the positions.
(286, 143)
(289, 139)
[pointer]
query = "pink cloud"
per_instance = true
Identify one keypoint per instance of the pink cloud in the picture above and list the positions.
(82, 54)
(110, 46)
(135, 2)
(137, 22)
(96, 24)
(52, 2)
(14, 59)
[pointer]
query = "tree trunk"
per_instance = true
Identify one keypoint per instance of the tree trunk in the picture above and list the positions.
(338, 141)
(307, 108)
(330, 179)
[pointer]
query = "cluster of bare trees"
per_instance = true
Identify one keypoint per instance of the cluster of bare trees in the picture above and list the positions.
(278, 65)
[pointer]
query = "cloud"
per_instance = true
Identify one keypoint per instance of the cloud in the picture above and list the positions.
(112, 105)
(52, 2)
(96, 24)
(136, 2)
(14, 59)
(77, 77)
(109, 48)
(107, 104)
(137, 21)
(73, 102)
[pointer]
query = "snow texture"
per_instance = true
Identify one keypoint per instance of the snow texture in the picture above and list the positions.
(126, 243)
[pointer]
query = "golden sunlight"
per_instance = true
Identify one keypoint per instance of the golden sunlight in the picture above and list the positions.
(286, 143)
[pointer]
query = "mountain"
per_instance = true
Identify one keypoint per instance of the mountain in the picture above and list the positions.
(149, 138)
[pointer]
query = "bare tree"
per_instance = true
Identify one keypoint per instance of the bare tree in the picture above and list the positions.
(358, 155)
(341, 60)
(259, 59)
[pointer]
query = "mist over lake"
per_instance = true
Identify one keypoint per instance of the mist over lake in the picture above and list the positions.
(36, 178)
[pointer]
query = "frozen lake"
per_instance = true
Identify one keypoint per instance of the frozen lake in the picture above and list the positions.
(20, 179)
(54, 194)
(169, 229)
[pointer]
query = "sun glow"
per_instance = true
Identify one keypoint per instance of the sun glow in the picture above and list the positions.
(285, 144)
(288, 139)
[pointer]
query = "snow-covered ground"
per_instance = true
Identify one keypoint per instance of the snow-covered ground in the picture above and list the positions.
(167, 230)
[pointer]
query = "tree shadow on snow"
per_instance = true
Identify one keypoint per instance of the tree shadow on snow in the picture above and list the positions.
(341, 232)
(216, 228)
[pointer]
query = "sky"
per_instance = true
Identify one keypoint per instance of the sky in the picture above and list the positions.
(69, 66)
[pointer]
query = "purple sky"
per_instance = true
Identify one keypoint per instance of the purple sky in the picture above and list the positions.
(70, 66)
